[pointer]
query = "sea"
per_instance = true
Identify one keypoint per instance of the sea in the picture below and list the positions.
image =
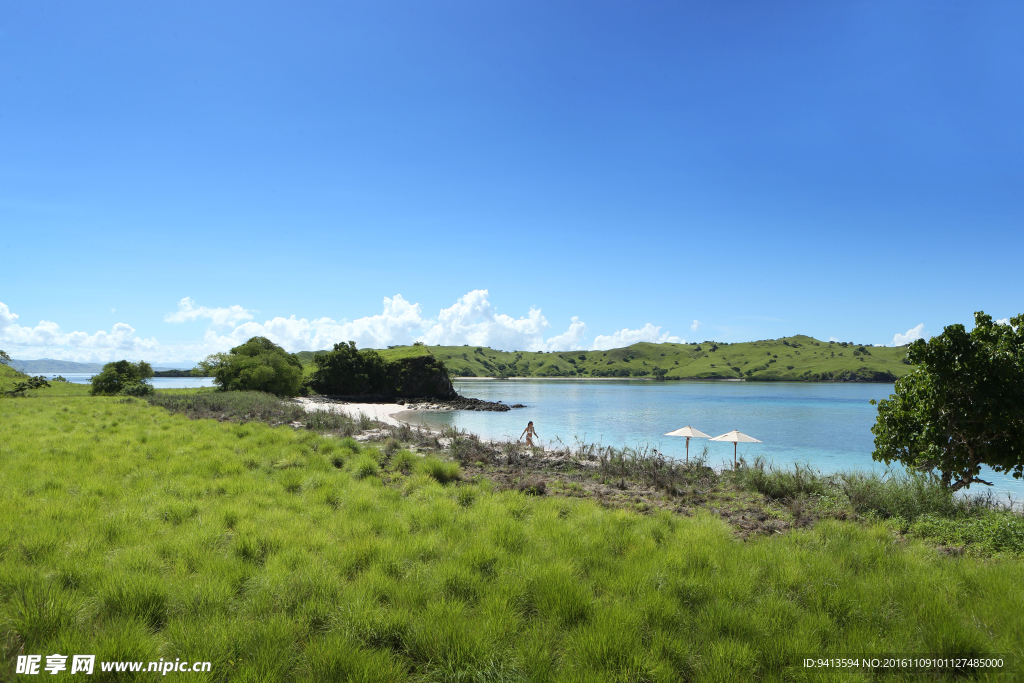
(824, 425)
(157, 382)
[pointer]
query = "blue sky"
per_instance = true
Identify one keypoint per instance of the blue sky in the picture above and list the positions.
(176, 176)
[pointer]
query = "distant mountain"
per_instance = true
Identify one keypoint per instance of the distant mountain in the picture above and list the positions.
(49, 365)
(53, 365)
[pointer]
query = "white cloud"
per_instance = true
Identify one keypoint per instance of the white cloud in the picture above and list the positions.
(472, 320)
(696, 325)
(1003, 321)
(833, 339)
(625, 337)
(398, 324)
(568, 340)
(912, 334)
(47, 340)
(188, 311)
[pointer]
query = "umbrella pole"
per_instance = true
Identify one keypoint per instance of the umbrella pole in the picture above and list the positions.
(687, 450)
(734, 444)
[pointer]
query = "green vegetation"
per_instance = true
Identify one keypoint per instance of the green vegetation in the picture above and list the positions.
(962, 407)
(9, 377)
(123, 378)
(173, 373)
(29, 384)
(257, 365)
(412, 372)
(798, 358)
(281, 554)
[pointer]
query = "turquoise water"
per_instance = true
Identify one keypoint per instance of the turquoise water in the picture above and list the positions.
(825, 425)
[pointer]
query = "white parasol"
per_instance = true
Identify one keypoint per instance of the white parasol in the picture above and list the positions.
(690, 433)
(736, 437)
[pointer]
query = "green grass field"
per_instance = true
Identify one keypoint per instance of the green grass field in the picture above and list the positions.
(279, 555)
(798, 358)
(9, 377)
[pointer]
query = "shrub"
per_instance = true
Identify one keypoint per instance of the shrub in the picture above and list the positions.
(346, 371)
(124, 378)
(441, 471)
(257, 365)
(993, 532)
(365, 466)
(242, 406)
(31, 383)
(403, 461)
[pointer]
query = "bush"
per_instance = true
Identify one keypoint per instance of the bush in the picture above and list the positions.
(123, 378)
(403, 461)
(257, 365)
(31, 383)
(441, 471)
(346, 371)
(780, 484)
(992, 532)
(241, 406)
(365, 466)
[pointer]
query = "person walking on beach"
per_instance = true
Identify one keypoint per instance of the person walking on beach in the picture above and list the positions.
(529, 433)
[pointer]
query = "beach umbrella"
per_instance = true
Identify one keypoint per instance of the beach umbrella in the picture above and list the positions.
(690, 433)
(736, 437)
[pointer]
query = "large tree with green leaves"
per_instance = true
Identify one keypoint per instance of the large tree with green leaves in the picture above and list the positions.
(257, 365)
(346, 371)
(123, 378)
(962, 406)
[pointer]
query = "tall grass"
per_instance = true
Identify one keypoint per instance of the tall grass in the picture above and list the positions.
(229, 405)
(131, 533)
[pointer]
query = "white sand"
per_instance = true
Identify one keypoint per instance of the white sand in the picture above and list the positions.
(382, 412)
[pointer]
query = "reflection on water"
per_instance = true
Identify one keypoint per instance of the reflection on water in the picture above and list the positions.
(826, 425)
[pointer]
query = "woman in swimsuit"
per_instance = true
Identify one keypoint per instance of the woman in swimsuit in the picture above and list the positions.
(529, 433)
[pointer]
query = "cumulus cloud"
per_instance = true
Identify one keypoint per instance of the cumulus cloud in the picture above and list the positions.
(48, 340)
(696, 325)
(570, 340)
(188, 311)
(625, 337)
(397, 324)
(834, 339)
(472, 320)
(912, 334)
(1003, 321)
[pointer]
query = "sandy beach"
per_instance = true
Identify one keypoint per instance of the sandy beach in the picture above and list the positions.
(382, 412)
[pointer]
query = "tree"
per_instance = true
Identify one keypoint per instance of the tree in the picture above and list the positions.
(961, 407)
(346, 371)
(31, 383)
(123, 378)
(4, 358)
(257, 365)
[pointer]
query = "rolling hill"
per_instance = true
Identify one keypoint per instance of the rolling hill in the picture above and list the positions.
(797, 358)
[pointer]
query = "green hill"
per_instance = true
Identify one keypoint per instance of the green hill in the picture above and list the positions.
(9, 377)
(798, 358)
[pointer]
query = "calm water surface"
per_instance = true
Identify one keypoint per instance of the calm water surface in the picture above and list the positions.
(157, 382)
(825, 425)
